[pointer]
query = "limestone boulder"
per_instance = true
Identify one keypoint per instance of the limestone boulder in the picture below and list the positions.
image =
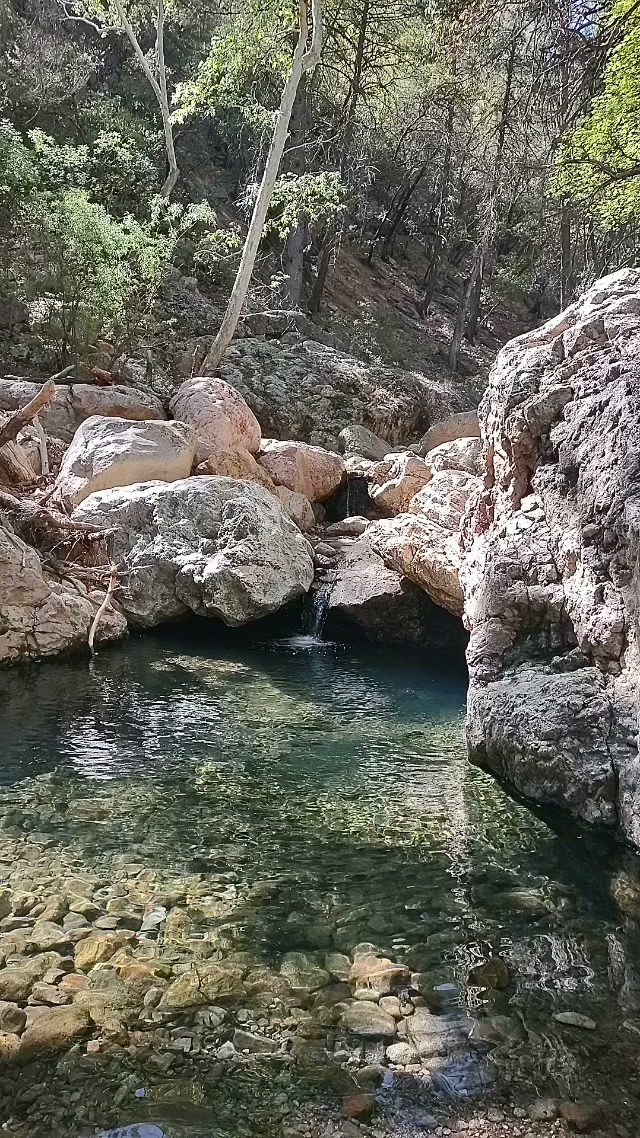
(383, 605)
(218, 547)
(424, 552)
(76, 402)
(308, 470)
(357, 440)
(107, 452)
(297, 507)
(551, 556)
(236, 464)
(394, 482)
(460, 454)
(54, 1030)
(219, 415)
(463, 424)
(41, 615)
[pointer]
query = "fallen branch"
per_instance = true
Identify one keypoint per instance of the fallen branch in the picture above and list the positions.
(42, 445)
(24, 415)
(25, 512)
(97, 618)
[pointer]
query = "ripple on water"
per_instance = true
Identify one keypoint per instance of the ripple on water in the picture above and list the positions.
(323, 797)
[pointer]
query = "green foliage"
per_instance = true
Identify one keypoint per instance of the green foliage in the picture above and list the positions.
(82, 269)
(246, 63)
(599, 162)
(314, 197)
(18, 167)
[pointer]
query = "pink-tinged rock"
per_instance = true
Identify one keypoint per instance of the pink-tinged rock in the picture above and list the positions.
(297, 507)
(394, 482)
(462, 425)
(303, 468)
(219, 415)
(236, 464)
(460, 454)
(425, 553)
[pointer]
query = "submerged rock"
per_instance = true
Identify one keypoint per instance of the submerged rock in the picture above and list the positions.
(367, 1019)
(216, 546)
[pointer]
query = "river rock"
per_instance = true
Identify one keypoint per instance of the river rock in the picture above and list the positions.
(424, 552)
(550, 571)
(54, 1030)
(219, 547)
(402, 1054)
(9, 1047)
(367, 1019)
(308, 470)
(301, 972)
(437, 1034)
(41, 615)
(107, 452)
(236, 464)
(12, 1018)
(297, 507)
(377, 972)
(360, 441)
(575, 1019)
(97, 949)
(219, 415)
(383, 605)
(394, 482)
(464, 424)
(461, 454)
(76, 402)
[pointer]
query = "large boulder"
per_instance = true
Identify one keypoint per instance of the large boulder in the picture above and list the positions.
(219, 415)
(463, 424)
(236, 464)
(306, 390)
(108, 452)
(361, 441)
(394, 482)
(219, 547)
(445, 498)
(424, 552)
(460, 454)
(551, 575)
(76, 402)
(41, 615)
(384, 606)
(305, 469)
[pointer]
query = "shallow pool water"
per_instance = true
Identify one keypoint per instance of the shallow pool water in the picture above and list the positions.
(310, 797)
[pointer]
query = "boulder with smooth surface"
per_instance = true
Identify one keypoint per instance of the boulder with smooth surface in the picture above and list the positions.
(394, 482)
(78, 401)
(463, 424)
(219, 416)
(218, 547)
(108, 452)
(309, 470)
(425, 553)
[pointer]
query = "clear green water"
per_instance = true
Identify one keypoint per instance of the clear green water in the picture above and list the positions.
(338, 777)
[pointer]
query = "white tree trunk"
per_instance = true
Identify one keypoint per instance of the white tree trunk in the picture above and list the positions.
(159, 88)
(303, 59)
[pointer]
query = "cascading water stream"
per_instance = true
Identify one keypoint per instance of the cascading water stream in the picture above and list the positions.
(315, 613)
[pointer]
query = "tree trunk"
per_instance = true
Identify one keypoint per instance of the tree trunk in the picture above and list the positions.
(475, 299)
(461, 316)
(293, 253)
(303, 59)
(334, 230)
(432, 275)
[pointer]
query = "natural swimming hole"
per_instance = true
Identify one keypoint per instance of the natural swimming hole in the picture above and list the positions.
(278, 806)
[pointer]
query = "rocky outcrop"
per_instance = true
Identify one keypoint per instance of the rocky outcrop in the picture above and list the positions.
(551, 573)
(308, 470)
(41, 615)
(218, 547)
(108, 452)
(218, 414)
(76, 402)
(384, 606)
(305, 390)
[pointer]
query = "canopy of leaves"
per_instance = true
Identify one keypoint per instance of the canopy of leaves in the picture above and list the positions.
(599, 162)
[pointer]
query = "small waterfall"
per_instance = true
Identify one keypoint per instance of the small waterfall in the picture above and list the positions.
(315, 612)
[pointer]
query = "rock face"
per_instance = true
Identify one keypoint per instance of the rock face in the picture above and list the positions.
(551, 573)
(108, 452)
(385, 606)
(218, 414)
(308, 470)
(77, 402)
(311, 392)
(39, 615)
(216, 546)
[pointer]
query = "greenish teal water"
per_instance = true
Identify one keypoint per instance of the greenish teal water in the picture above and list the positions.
(339, 776)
